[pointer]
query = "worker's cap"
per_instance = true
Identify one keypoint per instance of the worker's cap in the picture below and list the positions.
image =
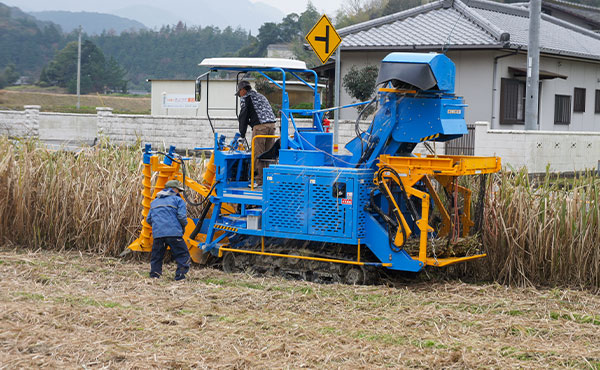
(243, 85)
(173, 184)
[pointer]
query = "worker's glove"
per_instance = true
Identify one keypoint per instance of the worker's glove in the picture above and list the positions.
(241, 142)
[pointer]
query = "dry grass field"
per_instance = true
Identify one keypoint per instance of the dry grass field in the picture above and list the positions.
(79, 310)
(56, 102)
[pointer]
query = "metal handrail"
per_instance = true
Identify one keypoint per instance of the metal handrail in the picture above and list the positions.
(252, 157)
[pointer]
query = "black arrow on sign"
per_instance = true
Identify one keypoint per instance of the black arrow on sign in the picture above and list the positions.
(324, 39)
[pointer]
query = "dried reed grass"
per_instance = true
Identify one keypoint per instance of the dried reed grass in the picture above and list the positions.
(544, 231)
(89, 200)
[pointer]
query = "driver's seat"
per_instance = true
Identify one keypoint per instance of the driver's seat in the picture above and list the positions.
(271, 155)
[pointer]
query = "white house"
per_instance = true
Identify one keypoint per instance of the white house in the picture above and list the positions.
(488, 43)
(176, 97)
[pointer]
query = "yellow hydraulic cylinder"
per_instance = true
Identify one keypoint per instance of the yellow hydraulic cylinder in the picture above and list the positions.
(209, 175)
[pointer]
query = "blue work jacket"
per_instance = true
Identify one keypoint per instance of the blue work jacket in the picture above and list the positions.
(167, 215)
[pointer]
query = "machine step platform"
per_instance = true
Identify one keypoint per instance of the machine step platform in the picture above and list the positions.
(243, 196)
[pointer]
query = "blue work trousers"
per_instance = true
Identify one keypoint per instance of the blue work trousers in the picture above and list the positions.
(179, 251)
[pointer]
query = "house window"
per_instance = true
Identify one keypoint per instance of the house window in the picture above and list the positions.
(597, 105)
(512, 101)
(562, 109)
(579, 100)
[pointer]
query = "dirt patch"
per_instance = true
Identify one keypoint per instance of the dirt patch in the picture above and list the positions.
(72, 309)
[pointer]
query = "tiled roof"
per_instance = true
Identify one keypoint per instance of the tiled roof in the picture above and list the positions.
(478, 24)
(586, 12)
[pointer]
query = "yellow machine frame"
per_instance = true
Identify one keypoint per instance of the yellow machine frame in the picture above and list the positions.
(445, 169)
(165, 173)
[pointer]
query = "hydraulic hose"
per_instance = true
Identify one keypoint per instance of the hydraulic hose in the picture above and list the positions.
(178, 159)
(200, 222)
(390, 223)
(357, 125)
(409, 203)
(411, 206)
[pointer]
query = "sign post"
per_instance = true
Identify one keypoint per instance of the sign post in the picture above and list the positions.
(324, 40)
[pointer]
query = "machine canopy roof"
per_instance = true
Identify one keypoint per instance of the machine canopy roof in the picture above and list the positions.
(242, 63)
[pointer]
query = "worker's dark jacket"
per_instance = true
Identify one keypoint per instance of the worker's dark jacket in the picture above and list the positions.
(167, 215)
(256, 110)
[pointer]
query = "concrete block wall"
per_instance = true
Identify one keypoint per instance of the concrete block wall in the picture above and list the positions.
(19, 124)
(162, 131)
(184, 132)
(562, 151)
(68, 128)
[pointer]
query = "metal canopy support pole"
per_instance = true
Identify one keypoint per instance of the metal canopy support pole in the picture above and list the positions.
(533, 66)
(336, 100)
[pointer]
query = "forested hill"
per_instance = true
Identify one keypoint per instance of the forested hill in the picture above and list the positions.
(93, 23)
(27, 42)
(172, 52)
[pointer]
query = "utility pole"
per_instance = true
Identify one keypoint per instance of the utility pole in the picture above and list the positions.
(533, 66)
(79, 68)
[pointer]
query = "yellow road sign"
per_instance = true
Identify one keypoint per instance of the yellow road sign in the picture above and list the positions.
(323, 39)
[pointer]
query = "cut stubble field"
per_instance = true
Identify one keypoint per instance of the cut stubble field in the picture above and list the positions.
(81, 310)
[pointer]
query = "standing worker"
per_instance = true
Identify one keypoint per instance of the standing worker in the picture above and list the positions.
(168, 219)
(256, 112)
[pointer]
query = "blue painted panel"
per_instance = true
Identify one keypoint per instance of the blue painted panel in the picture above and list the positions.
(378, 242)
(303, 157)
(454, 127)
(286, 199)
(422, 117)
(317, 140)
(365, 184)
(327, 214)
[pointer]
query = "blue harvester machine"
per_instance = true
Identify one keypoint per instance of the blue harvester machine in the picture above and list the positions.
(327, 216)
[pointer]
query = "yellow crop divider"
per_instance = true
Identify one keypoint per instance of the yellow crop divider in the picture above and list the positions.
(445, 169)
(166, 172)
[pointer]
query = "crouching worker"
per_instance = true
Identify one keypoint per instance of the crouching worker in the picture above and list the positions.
(168, 218)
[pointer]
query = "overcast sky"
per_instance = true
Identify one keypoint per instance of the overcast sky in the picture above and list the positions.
(286, 6)
(298, 6)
